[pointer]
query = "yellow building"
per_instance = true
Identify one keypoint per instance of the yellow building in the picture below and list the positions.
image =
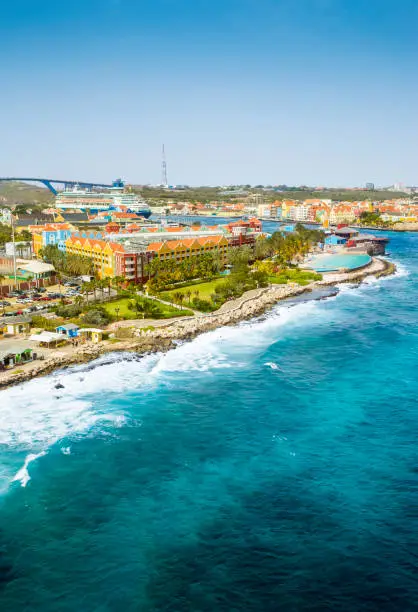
(102, 254)
(37, 243)
(179, 250)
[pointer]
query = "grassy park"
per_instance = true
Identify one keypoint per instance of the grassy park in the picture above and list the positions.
(124, 309)
(203, 290)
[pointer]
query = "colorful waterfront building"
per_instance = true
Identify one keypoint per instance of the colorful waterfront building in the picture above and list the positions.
(179, 250)
(51, 234)
(110, 259)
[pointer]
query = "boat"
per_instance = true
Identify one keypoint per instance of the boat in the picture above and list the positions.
(94, 201)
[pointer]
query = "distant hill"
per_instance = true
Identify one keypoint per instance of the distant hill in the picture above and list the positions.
(12, 194)
(157, 196)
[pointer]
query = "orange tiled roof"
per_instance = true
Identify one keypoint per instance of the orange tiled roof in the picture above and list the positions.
(154, 246)
(189, 242)
(124, 215)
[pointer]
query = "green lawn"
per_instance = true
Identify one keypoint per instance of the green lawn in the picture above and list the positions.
(165, 312)
(301, 277)
(206, 289)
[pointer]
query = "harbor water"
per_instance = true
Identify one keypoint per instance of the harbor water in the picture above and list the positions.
(263, 467)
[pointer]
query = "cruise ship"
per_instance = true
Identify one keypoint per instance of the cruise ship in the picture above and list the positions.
(97, 201)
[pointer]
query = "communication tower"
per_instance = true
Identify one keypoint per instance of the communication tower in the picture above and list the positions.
(164, 180)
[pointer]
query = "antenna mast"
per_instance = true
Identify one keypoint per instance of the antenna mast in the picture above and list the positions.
(164, 180)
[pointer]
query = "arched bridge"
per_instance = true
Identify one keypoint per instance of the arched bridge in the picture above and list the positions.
(49, 183)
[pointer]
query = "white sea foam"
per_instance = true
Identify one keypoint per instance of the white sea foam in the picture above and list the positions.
(22, 475)
(401, 270)
(272, 365)
(36, 415)
(226, 347)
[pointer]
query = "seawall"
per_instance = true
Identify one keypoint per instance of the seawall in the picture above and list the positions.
(163, 338)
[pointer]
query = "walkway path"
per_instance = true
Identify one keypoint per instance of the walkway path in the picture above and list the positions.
(157, 299)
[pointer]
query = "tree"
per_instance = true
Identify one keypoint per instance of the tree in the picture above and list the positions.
(101, 284)
(2, 277)
(189, 294)
(97, 316)
(266, 265)
(118, 282)
(93, 287)
(371, 218)
(263, 248)
(138, 306)
(86, 288)
(144, 307)
(58, 277)
(178, 298)
(261, 278)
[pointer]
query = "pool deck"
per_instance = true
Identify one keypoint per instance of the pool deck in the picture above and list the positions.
(375, 266)
(318, 263)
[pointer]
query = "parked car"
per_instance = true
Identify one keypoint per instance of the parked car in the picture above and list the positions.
(29, 309)
(5, 303)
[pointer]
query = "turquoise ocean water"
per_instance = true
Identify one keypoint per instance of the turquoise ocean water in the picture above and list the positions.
(267, 467)
(329, 263)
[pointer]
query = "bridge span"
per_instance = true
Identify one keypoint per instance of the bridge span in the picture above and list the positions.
(49, 183)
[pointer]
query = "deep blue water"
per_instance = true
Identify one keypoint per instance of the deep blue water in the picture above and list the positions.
(268, 467)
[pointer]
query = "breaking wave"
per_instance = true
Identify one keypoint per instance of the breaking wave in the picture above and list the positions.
(70, 403)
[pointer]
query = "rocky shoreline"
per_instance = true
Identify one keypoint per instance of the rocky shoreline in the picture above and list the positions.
(164, 338)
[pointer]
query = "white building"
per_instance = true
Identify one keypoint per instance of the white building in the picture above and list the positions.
(19, 249)
(5, 216)
(299, 213)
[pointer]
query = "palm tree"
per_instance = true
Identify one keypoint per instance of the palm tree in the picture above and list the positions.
(196, 294)
(85, 288)
(108, 286)
(101, 284)
(94, 286)
(189, 294)
(139, 306)
(118, 282)
(151, 309)
(2, 277)
(58, 276)
(29, 279)
(178, 297)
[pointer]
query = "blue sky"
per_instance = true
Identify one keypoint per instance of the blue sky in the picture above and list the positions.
(240, 91)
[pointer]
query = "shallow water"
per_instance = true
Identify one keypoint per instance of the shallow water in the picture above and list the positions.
(330, 263)
(269, 466)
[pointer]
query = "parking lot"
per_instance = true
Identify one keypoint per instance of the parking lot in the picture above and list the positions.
(37, 300)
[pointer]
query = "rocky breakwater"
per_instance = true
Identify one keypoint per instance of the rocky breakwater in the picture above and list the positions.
(60, 360)
(163, 338)
(160, 339)
(377, 267)
(405, 226)
(246, 307)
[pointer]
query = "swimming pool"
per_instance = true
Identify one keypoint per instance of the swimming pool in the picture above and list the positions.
(331, 263)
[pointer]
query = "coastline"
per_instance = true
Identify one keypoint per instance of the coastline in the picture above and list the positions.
(164, 338)
(395, 227)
